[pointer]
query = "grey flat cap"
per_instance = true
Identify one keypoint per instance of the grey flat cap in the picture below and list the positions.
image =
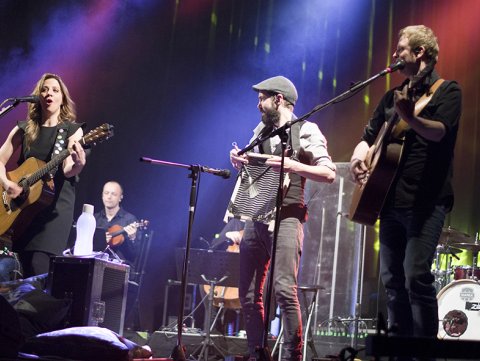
(279, 84)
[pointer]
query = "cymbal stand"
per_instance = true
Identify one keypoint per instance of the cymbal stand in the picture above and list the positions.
(475, 253)
(442, 276)
(204, 347)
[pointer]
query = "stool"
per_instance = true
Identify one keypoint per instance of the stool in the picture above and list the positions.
(308, 334)
(310, 309)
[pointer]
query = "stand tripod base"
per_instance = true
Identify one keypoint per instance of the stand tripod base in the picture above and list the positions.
(203, 350)
(261, 354)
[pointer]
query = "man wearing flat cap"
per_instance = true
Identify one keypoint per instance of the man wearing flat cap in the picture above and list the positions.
(306, 157)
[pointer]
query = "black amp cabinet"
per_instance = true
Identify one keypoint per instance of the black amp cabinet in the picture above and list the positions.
(97, 288)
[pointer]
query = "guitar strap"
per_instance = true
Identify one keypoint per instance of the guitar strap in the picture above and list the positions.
(402, 126)
(61, 142)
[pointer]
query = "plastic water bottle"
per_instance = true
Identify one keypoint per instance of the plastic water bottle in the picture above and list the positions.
(86, 224)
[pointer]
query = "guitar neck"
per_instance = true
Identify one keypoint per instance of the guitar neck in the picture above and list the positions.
(386, 130)
(50, 166)
(139, 225)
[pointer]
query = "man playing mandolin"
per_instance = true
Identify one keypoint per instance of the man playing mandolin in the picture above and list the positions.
(118, 226)
(117, 229)
(421, 193)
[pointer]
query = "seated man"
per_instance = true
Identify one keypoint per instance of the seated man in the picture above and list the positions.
(115, 226)
(117, 229)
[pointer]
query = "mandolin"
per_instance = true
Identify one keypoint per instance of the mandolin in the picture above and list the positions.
(118, 232)
(33, 176)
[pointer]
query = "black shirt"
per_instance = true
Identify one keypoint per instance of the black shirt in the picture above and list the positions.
(127, 250)
(424, 175)
(50, 228)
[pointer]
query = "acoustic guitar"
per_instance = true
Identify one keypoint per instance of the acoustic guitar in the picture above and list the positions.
(228, 295)
(383, 158)
(33, 176)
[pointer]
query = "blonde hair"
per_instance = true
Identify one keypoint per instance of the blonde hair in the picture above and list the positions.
(420, 35)
(34, 117)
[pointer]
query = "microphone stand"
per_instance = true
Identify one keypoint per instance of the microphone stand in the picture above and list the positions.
(9, 107)
(178, 353)
(355, 88)
(263, 353)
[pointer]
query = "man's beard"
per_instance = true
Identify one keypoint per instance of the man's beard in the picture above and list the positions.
(271, 117)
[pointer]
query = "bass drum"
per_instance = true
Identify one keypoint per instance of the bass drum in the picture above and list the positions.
(459, 310)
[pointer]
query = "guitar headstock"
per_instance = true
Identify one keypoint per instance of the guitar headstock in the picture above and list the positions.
(98, 135)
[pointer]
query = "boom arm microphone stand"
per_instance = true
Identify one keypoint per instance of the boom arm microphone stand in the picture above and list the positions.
(355, 88)
(282, 132)
(9, 107)
(178, 353)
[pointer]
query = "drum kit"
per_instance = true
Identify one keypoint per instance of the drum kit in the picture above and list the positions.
(458, 287)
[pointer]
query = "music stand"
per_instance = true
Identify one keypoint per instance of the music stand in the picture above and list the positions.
(212, 268)
(212, 264)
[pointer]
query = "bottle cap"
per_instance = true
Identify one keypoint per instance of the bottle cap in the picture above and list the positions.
(88, 208)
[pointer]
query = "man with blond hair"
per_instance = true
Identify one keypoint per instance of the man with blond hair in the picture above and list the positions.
(421, 192)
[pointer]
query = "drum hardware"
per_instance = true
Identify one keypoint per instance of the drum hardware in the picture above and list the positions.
(474, 247)
(443, 276)
(455, 323)
(451, 242)
(473, 271)
(450, 235)
(459, 301)
(466, 272)
(459, 310)
(445, 249)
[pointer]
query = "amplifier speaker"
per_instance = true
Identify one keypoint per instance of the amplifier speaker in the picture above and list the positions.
(97, 288)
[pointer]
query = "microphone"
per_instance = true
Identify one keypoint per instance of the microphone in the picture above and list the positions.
(398, 65)
(27, 99)
(224, 173)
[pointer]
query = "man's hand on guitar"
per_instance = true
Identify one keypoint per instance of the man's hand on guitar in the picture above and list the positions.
(404, 106)
(13, 189)
(358, 171)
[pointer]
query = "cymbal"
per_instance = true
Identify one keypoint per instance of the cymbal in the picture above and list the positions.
(447, 250)
(474, 247)
(451, 235)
